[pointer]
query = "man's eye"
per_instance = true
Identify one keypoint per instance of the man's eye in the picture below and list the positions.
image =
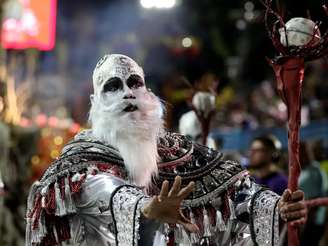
(134, 82)
(113, 84)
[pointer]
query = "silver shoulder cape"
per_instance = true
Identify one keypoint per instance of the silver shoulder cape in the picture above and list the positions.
(85, 198)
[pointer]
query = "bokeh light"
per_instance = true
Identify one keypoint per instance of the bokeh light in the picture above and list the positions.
(249, 6)
(54, 153)
(147, 3)
(35, 160)
(187, 42)
(58, 140)
(160, 4)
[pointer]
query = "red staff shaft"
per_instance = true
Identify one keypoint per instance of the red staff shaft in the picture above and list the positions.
(289, 72)
(322, 201)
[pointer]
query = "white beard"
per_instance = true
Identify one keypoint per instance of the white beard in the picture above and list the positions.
(134, 134)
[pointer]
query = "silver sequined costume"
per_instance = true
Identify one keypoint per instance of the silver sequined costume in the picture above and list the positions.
(85, 198)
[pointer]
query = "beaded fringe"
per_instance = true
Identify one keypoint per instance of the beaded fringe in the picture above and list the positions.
(48, 210)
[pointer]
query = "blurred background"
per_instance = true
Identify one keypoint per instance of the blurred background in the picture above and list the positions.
(50, 47)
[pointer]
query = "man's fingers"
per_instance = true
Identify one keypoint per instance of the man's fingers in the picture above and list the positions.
(175, 187)
(295, 215)
(298, 222)
(164, 190)
(293, 207)
(187, 190)
(286, 196)
(297, 196)
(155, 200)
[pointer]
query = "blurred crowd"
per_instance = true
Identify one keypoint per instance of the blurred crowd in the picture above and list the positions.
(268, 165)
(248, 106)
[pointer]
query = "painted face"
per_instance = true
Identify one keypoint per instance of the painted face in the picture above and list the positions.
(118, 78)
(126, 115)
(119, 68)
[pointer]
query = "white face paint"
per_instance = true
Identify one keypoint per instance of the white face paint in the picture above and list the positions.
(126, 115)
(115, 66)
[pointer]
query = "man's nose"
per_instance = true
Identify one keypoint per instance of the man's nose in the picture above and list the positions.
(128, 94)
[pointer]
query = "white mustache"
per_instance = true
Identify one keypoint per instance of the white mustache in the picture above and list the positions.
(118, 107)
(147, 103)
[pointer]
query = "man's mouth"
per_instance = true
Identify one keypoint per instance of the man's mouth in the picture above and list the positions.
(130, 108)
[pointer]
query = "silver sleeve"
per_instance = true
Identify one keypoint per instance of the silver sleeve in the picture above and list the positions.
(257, 207)
(109, 213)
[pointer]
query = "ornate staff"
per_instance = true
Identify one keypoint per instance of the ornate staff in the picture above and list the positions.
(297, 41)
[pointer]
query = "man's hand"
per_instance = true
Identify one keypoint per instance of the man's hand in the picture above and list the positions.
(166, 206)
(292, 207)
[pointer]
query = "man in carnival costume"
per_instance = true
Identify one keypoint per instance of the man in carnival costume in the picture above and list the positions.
(126, 181)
